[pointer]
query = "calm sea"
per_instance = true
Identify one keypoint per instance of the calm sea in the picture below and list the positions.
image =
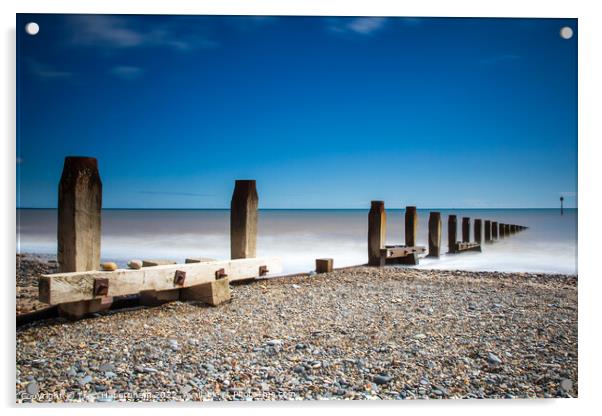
(298, 237)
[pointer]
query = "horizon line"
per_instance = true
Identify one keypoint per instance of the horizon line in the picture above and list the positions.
(296, 209)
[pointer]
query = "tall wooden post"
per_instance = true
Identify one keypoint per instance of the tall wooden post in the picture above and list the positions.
(411, 226)
(80, 202)
(79, 227)
(494, 230)
(487, 231)
(478, 234)
(502, 230)
(452, 233)
(377, 230)
(465, 229)
(434, 234)
(243, 220)
(506, 230)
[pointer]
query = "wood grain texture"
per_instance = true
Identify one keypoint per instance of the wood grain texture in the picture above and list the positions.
(70, 287)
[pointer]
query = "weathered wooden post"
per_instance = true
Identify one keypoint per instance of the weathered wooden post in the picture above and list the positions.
(411, 226)
(487, 231)
(465, 229)
(434, 234)
(324, 265)
(79, 227)
(377, 230)
(452, 230)
(506, 229)
(478, 234)
(502, 230)
(494, 230)
(243, 220)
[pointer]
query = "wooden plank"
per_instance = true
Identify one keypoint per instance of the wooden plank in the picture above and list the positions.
(461, 246)
(69, 287)
(434, 234)
(411, 226)
(158, 262)
(402, 251)
(377, 230)
(243, 220)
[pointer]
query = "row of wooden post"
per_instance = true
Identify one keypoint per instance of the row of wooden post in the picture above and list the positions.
(377, 224)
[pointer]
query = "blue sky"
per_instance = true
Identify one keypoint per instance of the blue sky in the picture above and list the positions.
(323, 112)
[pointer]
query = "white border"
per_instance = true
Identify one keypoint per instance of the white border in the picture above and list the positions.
(590, 157)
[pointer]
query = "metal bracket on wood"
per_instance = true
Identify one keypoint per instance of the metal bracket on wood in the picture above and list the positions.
(220, 274)
(263, 270)
(101, 286)
(179, 278)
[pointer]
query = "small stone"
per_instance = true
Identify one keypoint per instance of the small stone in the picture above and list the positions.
(493, 359)
(566, 385)
(85, 380)
(382, 379)
(299, 369)
(300, 346)
(135, 264)
(109, 266)
(106, 367)
(420, 336)
(32, 388)
(274, 342)
(71, 372)
(110, 374)
(186, 389)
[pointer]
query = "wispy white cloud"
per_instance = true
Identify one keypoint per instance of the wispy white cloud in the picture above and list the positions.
(359, 25)
(126, 72)
(46, 71)
(121, 32)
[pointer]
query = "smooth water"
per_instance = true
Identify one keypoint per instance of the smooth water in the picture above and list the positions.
(298, 237)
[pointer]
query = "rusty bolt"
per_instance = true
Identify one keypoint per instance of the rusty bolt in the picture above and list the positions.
(263, 270)
(101, 286)
(179, 277)
(221, 273)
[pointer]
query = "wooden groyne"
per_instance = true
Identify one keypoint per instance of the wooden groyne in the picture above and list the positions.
(491, 231)
(84, 286)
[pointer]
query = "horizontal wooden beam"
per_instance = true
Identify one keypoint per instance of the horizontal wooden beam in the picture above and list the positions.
(461, 246)
(60, 288)
(401, 251)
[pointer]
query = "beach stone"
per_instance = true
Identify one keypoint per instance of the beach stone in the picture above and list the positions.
(382, 379)
(135, 264)
(106, 367)
(566, 385)
(108, 267)
(493, 359)
(32, 388)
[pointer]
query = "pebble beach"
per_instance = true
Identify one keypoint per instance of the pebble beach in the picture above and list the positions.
(359, 333)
